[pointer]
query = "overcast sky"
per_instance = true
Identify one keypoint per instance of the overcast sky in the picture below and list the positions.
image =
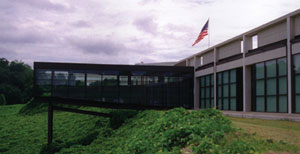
(125, 31)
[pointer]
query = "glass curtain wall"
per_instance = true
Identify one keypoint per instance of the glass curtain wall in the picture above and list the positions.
(230, 90)
(207, 91)
(270, 86)
(296, 104)
(149, 88)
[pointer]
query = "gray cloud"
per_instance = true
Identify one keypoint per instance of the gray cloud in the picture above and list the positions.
(97, 46)
(146, 24)
(81, 24)
(42, 4)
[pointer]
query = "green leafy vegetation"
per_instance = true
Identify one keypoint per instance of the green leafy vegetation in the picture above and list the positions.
(23, 129)
(16, 79)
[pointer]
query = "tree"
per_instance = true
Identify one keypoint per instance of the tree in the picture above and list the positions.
(16, 81)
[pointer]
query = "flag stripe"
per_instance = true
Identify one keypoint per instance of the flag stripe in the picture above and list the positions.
(203, 33)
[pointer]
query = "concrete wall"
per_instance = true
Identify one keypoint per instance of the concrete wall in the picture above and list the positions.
(229, 49)
(297, 25)
(269, 55)
(296, 48)
(208, 57)
(230, 65)
(191, 62)
(204, 72)
(272, 34)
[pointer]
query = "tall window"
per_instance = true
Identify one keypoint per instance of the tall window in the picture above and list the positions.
(254, 42)
(268, 77)
(229, 90)
(297, 83)
(207, 91)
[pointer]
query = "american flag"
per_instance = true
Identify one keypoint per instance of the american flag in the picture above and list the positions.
(203, 33)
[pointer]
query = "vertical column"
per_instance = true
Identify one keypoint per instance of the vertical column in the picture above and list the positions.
(290, 34)
(50, 122)
(247, 44)
(196, 86)
(215, 77)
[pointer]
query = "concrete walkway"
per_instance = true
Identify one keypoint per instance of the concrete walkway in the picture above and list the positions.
(263, 115)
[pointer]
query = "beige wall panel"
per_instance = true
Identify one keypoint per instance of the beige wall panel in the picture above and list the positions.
(204, 72)
(228, 50)
(230, 65)
(208, 57)
(276, 53)
(296, 48)
(272, 34)
(191, 62)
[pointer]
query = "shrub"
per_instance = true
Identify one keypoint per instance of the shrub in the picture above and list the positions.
(2, 99)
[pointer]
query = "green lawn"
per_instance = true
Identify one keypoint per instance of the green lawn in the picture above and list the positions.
(173, 131)
(278, 130)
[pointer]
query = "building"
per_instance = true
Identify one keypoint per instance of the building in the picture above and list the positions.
(258, 70)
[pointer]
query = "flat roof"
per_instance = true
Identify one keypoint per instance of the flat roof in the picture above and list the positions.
(85, 66)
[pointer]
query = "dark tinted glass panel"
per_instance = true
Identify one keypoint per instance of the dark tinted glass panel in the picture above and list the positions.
(271, 103)
(271, 86)
(123, 80)
(202, 81)
(282, 85)
(282, 104)
(219, 91)
(233, 90)
(225, 91)
(260, 70)
(297, 63)
(225, 77)
(207, 80)
(233, 104)
(271, 68)
(281, 66)
(260, 104)
(297, 84)
(93, 79)
(233, 76)
(297, 104)
(226, 104)
(219, 78)
(43, 74)
(260, 87)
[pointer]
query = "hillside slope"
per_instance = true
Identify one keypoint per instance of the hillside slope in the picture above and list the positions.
(173, 131)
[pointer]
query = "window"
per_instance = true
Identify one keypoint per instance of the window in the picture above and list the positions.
(201, 60)
(229, 90)
(43, 82)
(242, 46)
(296, 104)
(60, 83)
(76, 84)
(270, 86)
(207, 91)
(254, 42)
(123, 80)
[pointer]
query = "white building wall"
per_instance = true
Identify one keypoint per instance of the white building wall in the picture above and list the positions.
(229, 49)
(272, 34)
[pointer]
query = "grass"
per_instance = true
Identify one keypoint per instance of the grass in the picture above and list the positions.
(278, 130)
(23, 129)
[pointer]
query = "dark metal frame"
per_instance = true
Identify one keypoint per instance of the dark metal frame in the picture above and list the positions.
(210, 86)
(277, 77)
(294, 74)
(239, 90)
